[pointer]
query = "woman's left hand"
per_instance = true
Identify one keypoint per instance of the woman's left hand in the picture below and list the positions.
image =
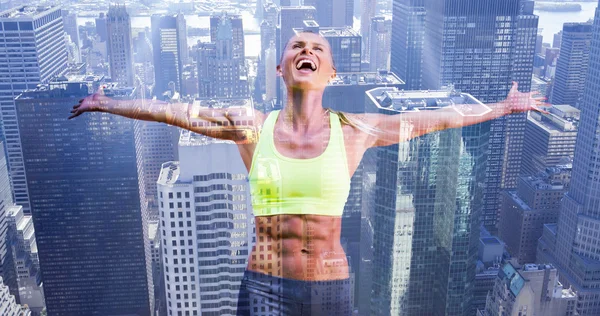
(518, 102)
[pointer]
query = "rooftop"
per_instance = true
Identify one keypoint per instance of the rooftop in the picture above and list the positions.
(188, 138)
(393, 98)
(345, 31)
(27, 11)
(490, 241)
(365, 78)
(169, 173)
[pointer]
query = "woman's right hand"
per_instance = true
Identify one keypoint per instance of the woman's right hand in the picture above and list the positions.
(97, 102)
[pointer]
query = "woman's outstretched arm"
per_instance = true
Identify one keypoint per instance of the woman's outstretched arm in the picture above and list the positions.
(218, 123)
(393, 129)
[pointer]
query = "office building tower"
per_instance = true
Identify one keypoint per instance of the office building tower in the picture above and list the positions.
(184, 52)
(8, 303)
(380, 43)
(345, 45)
(426, 218)
(25, 257)
(347, 93)
(549, 138)
(557, 41)
(550, 61)
(333, 13)
(408, 38)
(270, 70)
(576, 252)
(220, 73)
(86, 208)
(450, 30)
(71, 28)
(539, 40)
(206, 221)
(120, 46)
(491, 254)
(572, 64)
(101, 29)
(7, 264)
(167, 47)
(42, 57)
(236, 23)
(524, 212)
(531, 290)
(367, 13)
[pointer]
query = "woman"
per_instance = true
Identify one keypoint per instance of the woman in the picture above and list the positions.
(300, 161)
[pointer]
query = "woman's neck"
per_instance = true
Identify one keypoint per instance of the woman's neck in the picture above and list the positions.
(303, 110)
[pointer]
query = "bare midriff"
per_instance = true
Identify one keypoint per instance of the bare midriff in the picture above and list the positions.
(301, 247)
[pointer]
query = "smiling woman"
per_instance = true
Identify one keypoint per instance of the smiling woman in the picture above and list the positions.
(300, 160)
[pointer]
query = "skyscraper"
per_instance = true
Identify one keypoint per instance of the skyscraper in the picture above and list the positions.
(572, 64)
(367, 13)
(345, 45)
(9, 306)
(42, 57)
(221, 74)
(549, 138)
(236, 24)
(336, 13)
(478, 47)
(576, 252)
(166, 47)
(408, 36)
(120, 46)
(380, 41)
(426, 217)
(86, 205)
(207, 223)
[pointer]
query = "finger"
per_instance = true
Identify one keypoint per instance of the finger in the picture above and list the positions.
(515, 86)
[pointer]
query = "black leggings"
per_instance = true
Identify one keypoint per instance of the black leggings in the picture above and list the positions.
(265, 295)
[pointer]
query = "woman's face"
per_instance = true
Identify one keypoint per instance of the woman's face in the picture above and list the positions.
(307, 62)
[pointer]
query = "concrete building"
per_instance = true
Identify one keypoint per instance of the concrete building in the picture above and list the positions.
(408, 40)
(535, 202)
(532, 290)
(572, 64)
(221, 74)
(426, 217)
(119, 46)
(573, 247)
(8, 304)
(86, 202)
(380, 41)
(549, 139)
(367, 13)
(345, 46)
(167, 50)
(206, 222)
(236, 24)
(42, 57)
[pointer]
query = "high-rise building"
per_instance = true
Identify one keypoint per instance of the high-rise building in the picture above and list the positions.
(426, 217)
(408, 38)
(70, 25)
(549, 138)
(236, 23)
(524, 212)
(333, 13)
(345, 45)
(42, 57)
(557, 41)
(438, 43)
(380, 41)
(367, 13)
(576, 251)
(184, 53)
(8, 304)
(572, 64)
(167, 47)
(101, 30)
(206, 222)
(25, 258)
(221, 74)
(7, 264)
(491, 253)
(532, 290)
(120, 46)
(86, 208)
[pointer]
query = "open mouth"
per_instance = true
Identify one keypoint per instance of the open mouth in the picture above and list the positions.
(306, 64)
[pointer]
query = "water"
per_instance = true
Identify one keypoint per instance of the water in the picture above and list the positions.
(552, 22)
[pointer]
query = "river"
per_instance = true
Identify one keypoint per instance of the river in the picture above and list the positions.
(552, 22)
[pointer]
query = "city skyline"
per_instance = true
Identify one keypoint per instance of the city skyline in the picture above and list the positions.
(132, 217)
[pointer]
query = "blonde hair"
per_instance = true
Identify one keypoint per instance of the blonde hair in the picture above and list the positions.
(358, 124)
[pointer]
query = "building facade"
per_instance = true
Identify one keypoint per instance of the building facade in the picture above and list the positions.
(167, 48)
(43, 56)
(119, 46)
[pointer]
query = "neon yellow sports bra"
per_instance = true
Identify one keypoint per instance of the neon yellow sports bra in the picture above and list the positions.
(283, 185)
